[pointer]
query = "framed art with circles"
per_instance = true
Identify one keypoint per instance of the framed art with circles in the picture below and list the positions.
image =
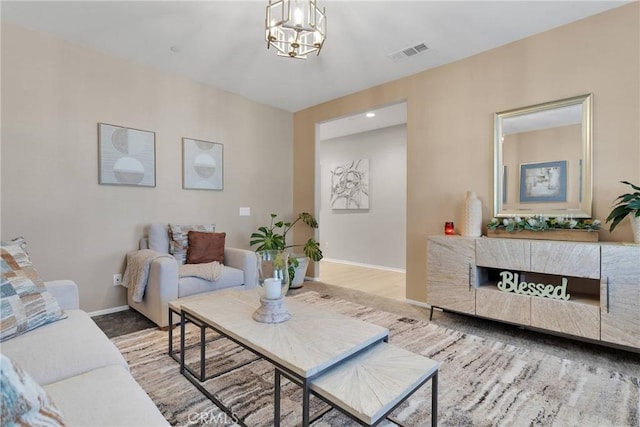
(202, 165)
(126, 156)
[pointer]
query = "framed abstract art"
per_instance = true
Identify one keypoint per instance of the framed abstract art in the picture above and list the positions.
(543, 182)
(126, 156)
(202, 165)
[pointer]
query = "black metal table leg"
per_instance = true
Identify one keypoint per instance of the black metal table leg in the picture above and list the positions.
(203, 344)
(434, 400)
(183, 320)
(305, 402)
(276, 399)
(170, 333)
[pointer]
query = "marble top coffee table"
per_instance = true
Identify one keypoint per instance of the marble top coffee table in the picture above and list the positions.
(311, 342)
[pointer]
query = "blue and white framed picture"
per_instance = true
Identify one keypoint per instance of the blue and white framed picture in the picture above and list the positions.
(543, 182)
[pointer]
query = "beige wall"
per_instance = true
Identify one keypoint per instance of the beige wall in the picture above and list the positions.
(450, 121)
(53, 95)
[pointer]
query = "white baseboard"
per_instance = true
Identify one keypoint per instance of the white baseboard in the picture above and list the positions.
(108, 311)
(359, 264)
(418, 303)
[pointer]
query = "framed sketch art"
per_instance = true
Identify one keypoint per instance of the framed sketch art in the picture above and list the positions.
(543, 182)
(202, 167)
(126, 156)
(350, 185)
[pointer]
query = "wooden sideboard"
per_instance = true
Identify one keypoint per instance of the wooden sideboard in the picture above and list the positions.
(602, 279)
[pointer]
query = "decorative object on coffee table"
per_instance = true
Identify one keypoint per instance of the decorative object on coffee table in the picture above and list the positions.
(471, 216)
(274, 237)
(627, 204)
(273, 284)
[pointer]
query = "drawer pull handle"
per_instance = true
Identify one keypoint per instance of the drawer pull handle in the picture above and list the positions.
(469, 277)
(607, 294)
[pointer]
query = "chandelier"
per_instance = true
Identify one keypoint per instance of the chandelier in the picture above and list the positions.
(295, 28)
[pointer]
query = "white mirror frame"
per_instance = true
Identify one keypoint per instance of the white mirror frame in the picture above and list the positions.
(586, 189)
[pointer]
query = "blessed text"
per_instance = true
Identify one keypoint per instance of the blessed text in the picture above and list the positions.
(509, 283)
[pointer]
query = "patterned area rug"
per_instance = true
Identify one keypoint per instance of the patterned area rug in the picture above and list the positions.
(481, 382)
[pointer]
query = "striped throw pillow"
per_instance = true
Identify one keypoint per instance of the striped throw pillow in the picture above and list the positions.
(23, 401)
(179, 235)
(25, 303)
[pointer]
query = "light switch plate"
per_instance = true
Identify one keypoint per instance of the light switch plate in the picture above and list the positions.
(245, 211)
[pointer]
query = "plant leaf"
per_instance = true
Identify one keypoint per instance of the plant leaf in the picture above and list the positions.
(617, 215)
(308, 219)
(312, 250)
(633, 186)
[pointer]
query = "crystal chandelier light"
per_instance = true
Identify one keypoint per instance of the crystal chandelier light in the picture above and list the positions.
(295, 28)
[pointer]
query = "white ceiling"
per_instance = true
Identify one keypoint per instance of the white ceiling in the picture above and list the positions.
(386, 116)
(561, 116)
(221, 43)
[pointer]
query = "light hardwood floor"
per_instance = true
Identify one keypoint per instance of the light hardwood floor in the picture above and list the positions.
(389, 284)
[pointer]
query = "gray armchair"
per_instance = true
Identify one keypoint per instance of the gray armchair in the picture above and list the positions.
(165, 285)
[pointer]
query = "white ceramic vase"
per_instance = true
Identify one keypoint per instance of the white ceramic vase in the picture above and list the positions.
(300, 272)
(471, 216)
(635, 226)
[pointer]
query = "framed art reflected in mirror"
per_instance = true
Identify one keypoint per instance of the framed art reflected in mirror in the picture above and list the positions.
(543, 182)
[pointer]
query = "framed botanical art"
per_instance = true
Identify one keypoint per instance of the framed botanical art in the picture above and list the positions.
(543, 182)
(126, 156)
(202, 165)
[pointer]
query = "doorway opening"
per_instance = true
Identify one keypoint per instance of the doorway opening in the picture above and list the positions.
(360, 192)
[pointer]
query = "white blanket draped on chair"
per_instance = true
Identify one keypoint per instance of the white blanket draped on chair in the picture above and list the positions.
(136, 273)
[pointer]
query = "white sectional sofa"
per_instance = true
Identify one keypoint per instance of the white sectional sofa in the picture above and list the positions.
(164, 285)
(83, 372)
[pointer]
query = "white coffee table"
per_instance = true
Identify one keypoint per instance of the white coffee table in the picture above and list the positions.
(305, 346)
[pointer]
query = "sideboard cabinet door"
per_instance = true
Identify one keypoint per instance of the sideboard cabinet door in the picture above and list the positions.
(451, 273)
(620, 295)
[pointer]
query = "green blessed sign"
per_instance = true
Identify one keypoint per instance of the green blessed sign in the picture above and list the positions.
(509, 283)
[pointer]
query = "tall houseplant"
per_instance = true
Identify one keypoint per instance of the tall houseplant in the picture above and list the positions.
(628, 203)
(274, 236)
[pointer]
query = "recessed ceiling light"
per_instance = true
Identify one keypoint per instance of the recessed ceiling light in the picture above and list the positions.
(370, 115)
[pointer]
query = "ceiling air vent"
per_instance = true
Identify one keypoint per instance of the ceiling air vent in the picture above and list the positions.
(408, 52)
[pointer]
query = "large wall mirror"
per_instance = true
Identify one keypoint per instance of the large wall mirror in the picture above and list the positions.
(543, 159)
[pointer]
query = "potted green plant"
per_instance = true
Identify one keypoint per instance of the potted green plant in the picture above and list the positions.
(274, 236)
(627, 204)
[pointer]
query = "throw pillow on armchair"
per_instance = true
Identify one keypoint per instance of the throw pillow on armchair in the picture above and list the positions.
(205, 247)
(179, 238)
